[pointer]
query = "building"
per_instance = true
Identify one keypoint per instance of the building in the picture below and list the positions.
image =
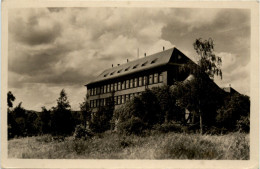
(123, 82)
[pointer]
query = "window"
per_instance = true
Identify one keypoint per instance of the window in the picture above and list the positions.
(98, 103)
(102, 102)
(91, 92)
(155, 78)
(161, 77)
(135, 66)
(118, 99)
(105, 75)
(112, 87)
(135, 82)
(115, 100)
(91, 104)
(126, 97)
(95, 91)
(145, 80)
(127, 84)
(131, 83)
(123, 99)
(98, 90)
(123, 85)
(108, 88)
(131, 96)
(105, 100)
(119, 85)
(115, 86)
(102, 89)
(153, 61)
(140, 83)
(119, 71)
(94, 104)
(144, 63)
(151, 79)
(127, 69)
(112, 73)
(105, 88)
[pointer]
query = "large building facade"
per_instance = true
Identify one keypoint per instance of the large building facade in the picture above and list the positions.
(123, 82)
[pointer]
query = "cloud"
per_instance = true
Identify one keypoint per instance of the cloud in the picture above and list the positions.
(55, 48)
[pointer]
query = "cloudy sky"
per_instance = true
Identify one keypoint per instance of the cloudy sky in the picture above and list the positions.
(55, 48)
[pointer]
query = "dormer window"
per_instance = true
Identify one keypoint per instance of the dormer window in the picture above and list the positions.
(135, 66)
(127, 69)
(112, 73)
(119, 71)
(105, 75)
(144, 63)
(154, 61)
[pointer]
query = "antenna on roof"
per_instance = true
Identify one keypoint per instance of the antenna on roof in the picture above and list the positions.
(137, 52)
(126, 60)
(144, 54)
(163, 48)
(112, 65)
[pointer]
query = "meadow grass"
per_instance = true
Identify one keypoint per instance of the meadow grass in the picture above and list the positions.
(109, 145)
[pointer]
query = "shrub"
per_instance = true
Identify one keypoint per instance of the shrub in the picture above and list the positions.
(169, 127)
(82, 132)
(243, 124)
(134, 125)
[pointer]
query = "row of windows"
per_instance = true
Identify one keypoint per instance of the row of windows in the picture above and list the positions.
(117, 100)
(134, 67)
(135, 82)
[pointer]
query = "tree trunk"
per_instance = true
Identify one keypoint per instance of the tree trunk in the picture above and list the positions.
(201, 126)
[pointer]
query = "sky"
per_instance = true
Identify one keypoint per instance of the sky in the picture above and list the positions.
(50, 49)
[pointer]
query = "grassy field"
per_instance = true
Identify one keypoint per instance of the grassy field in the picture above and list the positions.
(154, 146)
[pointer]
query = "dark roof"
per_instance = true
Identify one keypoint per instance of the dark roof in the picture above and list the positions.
(230, 90)
(148, 62)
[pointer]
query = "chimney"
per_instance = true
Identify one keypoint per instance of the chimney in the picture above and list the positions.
(112, 65)
(163, 48)
(126, 60)
(144, 54)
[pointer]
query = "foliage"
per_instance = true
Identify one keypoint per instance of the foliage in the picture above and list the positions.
(236, 109)
(101, 120)
(10, 99)
(82, 133)
(243, 124)
(85, 111)
(45, 120)
(133, 125)
(61, 120)
(193, 96)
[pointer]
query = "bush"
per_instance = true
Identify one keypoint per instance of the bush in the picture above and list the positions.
(243, 124)
(134, 125)
(82, 132)
(169, 127)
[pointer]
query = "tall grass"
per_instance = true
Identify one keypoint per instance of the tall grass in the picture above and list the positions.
(153, 146)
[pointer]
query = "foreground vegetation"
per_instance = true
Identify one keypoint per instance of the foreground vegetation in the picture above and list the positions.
(154, 145)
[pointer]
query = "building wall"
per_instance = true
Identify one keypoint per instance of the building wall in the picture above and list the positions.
(122, 95)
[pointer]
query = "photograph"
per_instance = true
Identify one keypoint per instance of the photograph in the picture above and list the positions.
(136, 81)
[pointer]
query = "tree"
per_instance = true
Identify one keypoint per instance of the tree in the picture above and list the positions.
(45, 118)
(236, 109)
(85, 111)
(61, 120)
(209, 65)
(10, 99)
